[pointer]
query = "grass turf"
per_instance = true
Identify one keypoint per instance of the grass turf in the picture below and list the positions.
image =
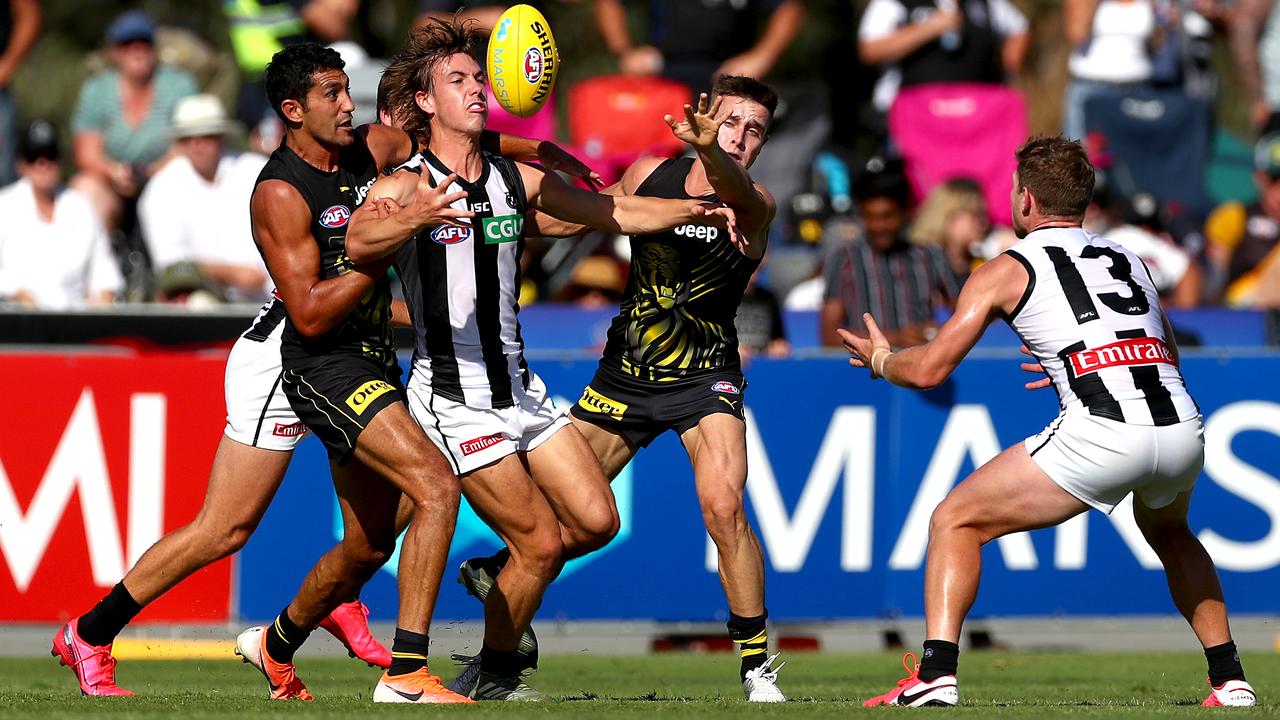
(1024, 685)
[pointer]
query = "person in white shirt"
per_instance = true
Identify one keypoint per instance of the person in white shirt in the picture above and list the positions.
(54, 252)
(1110, 53)
(196, 209)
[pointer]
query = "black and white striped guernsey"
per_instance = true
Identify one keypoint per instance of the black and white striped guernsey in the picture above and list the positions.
(1092, 316)
(462, 286)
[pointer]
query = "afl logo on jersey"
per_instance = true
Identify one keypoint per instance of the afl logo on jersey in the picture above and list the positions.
(335, 216)
(450, 234)
(724, 386)
(533, 65)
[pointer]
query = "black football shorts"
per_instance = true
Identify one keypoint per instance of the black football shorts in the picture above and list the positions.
(641, 410)
(338, 395)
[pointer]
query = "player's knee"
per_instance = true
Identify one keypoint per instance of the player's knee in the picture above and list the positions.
(368, 554)
(724, 515)
(594, 530)
(947, 517)
(220, 539)
(437, 493)
(236, 539)
(541, 552)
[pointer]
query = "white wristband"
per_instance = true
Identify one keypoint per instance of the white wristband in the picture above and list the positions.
(877, 356)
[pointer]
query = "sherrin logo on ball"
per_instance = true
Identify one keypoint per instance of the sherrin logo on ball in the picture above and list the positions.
(523, 61)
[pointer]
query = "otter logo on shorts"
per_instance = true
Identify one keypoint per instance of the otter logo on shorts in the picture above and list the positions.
(597, 403)
(367, 393)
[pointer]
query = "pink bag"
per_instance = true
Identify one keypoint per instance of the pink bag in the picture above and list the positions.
(969, 130)
(540, 126)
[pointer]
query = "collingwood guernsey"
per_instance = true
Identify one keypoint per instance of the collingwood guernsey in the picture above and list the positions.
(462, 285)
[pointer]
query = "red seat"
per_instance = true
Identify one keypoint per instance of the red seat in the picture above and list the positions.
(613, 120)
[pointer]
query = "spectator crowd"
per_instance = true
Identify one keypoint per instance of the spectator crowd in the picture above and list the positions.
(149, 201)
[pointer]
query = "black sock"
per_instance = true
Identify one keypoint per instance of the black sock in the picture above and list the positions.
(940, 659)
(103, 623)
(408, 652)
(752, 639)
(503, 663)
(284, 638)
(1224, 663)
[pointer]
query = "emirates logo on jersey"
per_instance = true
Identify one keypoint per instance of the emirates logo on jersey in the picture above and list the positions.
(1136, 351)
(335, 216)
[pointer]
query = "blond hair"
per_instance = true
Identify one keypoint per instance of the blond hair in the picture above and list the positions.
(945, 200)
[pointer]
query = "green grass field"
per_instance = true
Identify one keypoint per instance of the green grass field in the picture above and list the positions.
(701, 686)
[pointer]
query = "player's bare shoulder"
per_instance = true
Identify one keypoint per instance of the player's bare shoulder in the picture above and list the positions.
(638, 172)
(389, 146)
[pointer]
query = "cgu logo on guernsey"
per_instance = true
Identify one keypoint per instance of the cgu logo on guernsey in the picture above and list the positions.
(699, 232)
(450, 234)
(502, 229)
(335, 216)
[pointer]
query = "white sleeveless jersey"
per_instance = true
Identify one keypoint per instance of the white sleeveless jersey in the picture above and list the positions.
(1092, 317)
(462, 286)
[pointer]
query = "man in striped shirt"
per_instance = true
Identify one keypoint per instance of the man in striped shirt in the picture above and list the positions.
(882, 273)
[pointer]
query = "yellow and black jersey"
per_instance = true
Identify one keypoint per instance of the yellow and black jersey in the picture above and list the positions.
(332, 197)
(676, 317)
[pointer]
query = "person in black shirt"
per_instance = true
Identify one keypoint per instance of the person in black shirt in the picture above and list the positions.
(696, 41)
(759, 323)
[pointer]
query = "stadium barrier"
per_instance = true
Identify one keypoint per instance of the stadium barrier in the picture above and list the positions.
(108, 452)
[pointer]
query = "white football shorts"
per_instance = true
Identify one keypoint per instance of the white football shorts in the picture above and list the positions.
(258, 413)
(1100, 461)
(473, 437)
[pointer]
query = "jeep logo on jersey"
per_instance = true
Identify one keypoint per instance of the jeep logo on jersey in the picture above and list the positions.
(450, 234)
(335, 216)
(502, 229)
(700, 232)
(724, 386)
(533, 65)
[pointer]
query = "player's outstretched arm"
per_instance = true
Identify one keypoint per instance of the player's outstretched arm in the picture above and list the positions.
(540, 224)
(281, 223)
(551, 155)
(399, 206)
(993, 289)
(627, 214)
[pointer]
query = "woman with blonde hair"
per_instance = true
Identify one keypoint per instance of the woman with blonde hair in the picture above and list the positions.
(954, 218)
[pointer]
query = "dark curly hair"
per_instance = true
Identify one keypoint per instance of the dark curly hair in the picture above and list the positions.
(410, 71)
(291, 73)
